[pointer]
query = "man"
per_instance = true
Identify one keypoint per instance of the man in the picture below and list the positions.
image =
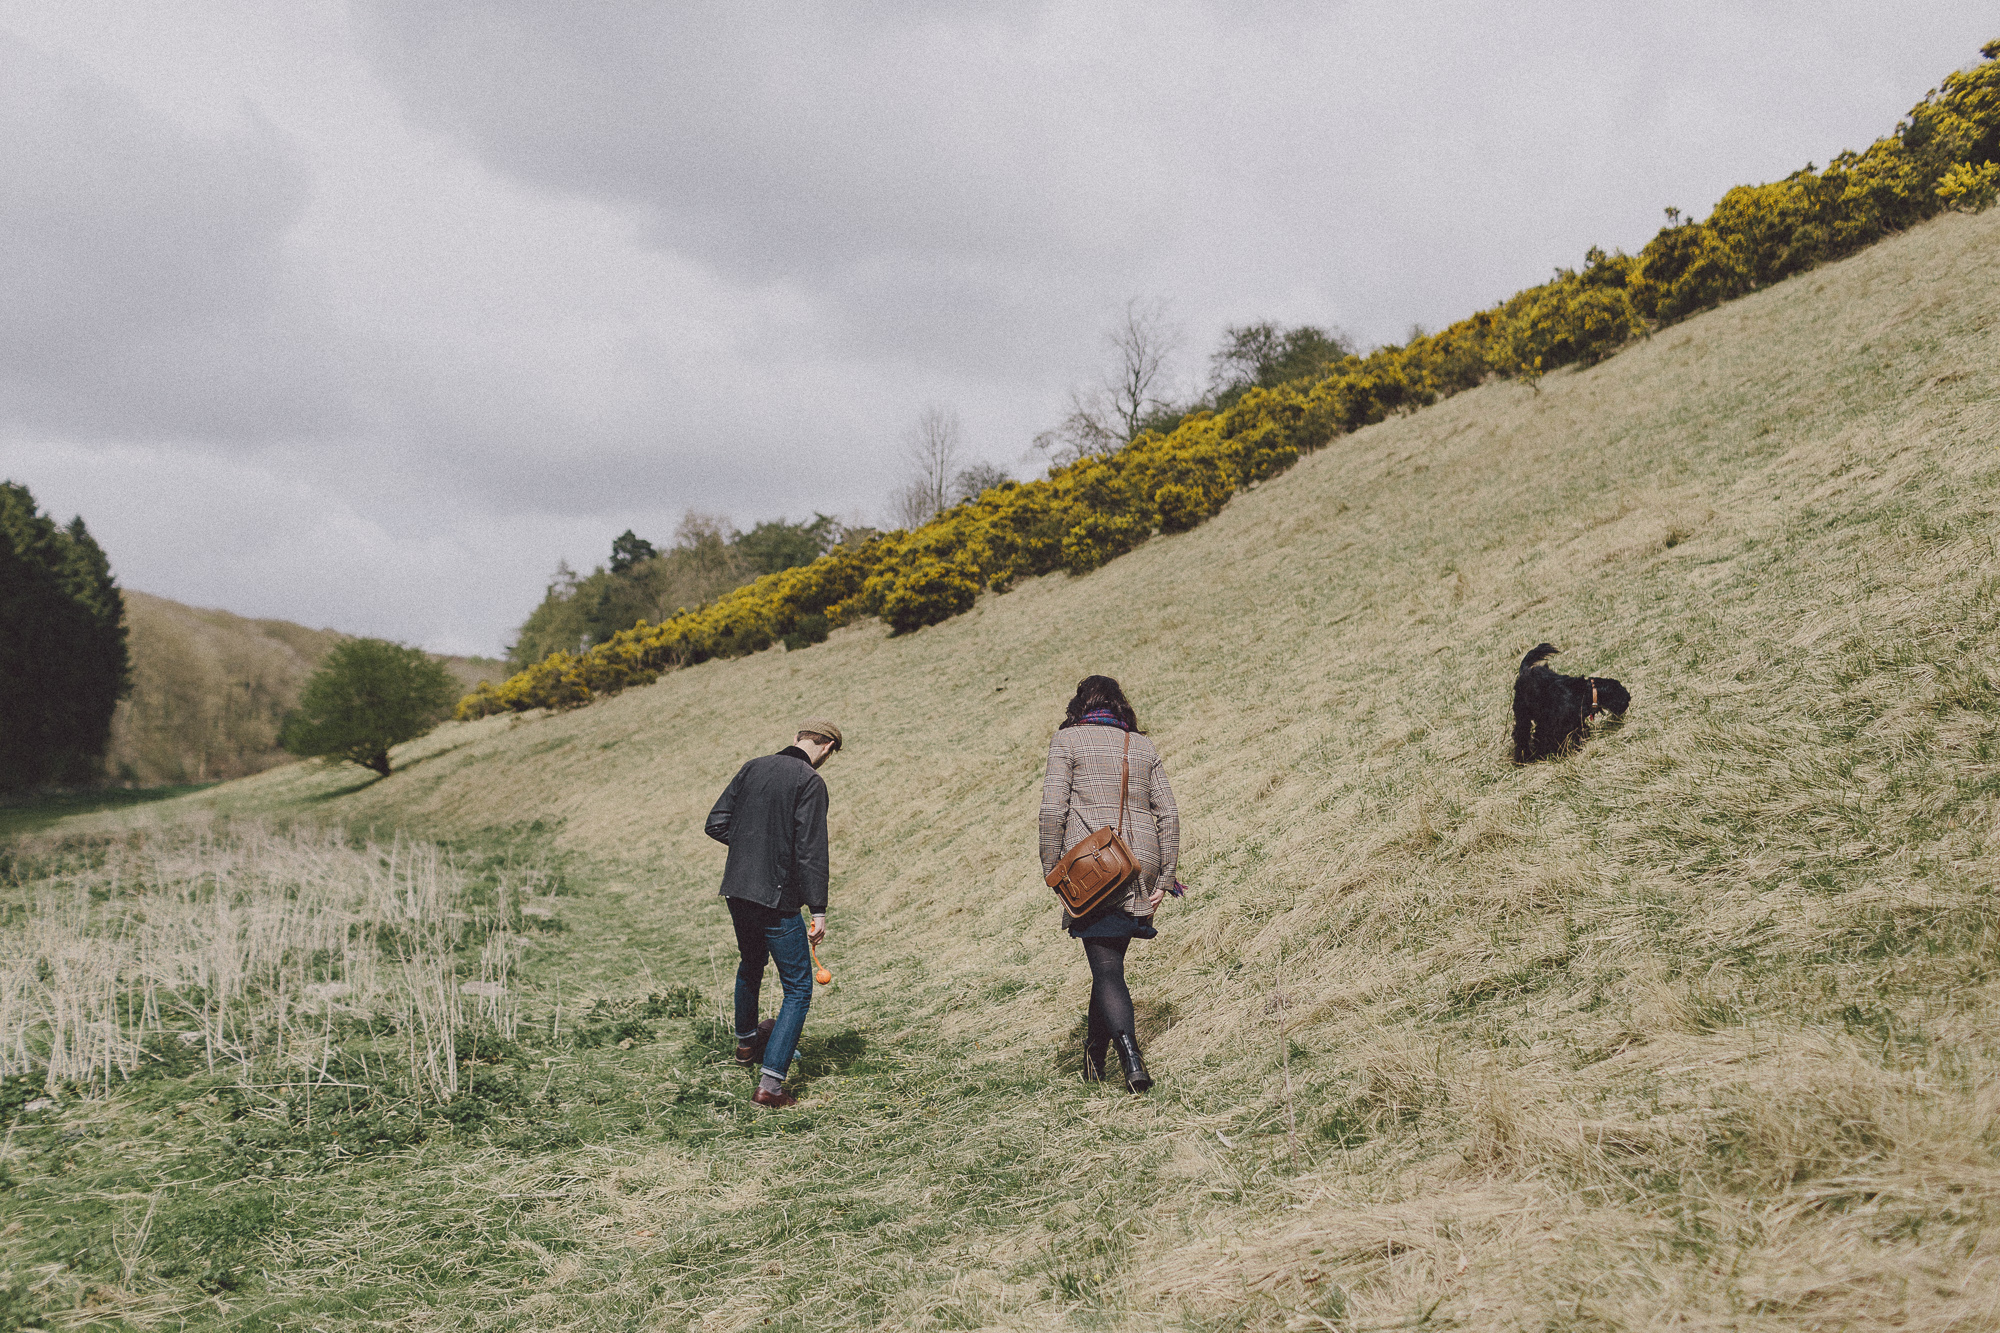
(772, 816)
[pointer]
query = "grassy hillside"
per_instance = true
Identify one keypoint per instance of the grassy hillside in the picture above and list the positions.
(1694, 1029)
(209, 690)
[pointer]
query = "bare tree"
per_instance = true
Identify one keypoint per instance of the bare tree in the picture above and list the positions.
(931, 452)
(975, 481)
(1142, 343)
(1083, 432)
(1110, 413)
(1268, 354)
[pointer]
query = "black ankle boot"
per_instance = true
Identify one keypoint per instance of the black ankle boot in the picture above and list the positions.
(1093, 1059)
(1136, 1077)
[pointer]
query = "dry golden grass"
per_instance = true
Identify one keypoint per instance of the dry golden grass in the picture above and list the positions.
(244, 948)
(1694, 1029)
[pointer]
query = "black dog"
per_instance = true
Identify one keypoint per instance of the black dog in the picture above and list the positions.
(1550, 709)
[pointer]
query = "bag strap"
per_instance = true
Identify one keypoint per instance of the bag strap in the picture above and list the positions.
(1124, 778)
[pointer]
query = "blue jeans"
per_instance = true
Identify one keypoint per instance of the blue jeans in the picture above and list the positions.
(765, 932)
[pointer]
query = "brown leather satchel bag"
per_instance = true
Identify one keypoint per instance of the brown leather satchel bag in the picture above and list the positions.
(1101, 864)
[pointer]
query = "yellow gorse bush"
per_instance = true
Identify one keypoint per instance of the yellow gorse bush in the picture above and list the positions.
(1945, 154)
(1078, 518)
(1968, 188)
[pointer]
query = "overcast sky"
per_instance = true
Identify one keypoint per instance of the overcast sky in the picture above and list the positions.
(365, 315)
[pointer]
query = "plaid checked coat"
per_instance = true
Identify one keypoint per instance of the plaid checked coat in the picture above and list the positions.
(1082, 779)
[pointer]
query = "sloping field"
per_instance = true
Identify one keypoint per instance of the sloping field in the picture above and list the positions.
(1695, 1029)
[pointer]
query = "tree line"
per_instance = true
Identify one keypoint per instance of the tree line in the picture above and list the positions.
(63, 661)
(641, 582)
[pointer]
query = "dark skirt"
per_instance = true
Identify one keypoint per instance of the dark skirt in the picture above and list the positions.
(1111, 924)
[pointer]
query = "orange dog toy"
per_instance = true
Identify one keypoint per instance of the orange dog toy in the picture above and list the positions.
(822, 976)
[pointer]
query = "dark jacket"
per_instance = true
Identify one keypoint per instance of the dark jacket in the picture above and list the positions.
(772, 816)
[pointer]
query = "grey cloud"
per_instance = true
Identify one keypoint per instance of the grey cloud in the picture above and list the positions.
(919, 170)
(773, 147)
(926, 169)
(144, 289)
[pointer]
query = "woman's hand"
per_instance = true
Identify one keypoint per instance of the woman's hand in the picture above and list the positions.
(1154, 899)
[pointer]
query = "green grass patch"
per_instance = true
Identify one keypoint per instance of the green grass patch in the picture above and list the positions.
(40, 812)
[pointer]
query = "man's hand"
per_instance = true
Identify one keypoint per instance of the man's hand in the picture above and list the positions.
(1153, 902)
(816, 932)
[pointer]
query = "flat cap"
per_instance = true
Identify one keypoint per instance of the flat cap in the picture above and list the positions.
(819, 726)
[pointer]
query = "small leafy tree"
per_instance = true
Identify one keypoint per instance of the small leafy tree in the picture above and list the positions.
(776, 544)
(628, 548)
(1266, 355)
(367, 696)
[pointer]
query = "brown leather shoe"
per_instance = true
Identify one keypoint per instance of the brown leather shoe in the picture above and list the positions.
(779, 1098)
(751, 1051)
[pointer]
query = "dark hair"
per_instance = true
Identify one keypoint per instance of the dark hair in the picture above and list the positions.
(1094, 692)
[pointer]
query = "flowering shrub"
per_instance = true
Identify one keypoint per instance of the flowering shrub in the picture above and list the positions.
(1969, 189)
(1945, 154)
(934, 590)
(1571, 322)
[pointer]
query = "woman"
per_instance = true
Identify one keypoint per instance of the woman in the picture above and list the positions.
(1081, 787)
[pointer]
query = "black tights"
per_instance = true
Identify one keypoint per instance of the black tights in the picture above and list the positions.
(1110, 1001)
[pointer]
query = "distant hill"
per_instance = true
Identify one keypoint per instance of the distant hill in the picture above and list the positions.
(210, 689)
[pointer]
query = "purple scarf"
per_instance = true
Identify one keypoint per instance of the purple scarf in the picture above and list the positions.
(1102, 717)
